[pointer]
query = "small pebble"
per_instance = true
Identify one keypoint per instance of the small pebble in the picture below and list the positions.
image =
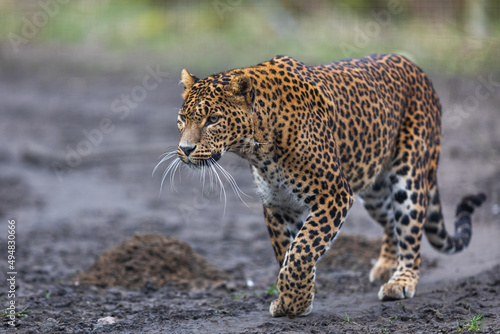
(106, 321)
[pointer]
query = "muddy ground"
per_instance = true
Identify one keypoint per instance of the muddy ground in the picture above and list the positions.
(76, 159)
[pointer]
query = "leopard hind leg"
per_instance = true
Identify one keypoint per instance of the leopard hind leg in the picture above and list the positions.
(377, 201)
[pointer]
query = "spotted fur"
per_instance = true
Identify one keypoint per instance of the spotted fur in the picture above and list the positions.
(314, 137)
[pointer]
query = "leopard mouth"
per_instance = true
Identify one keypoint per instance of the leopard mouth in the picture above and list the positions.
(201, 162)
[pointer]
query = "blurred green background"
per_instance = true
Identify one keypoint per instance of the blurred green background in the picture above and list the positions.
(451, 36)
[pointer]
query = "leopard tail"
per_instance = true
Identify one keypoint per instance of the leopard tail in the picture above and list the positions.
(435, 229)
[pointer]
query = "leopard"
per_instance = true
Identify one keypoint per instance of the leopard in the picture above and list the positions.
(317, 137)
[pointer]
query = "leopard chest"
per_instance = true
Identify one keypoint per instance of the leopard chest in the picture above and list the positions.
(276, 190)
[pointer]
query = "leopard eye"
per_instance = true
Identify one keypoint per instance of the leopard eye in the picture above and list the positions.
(212, 119)
(183, 118)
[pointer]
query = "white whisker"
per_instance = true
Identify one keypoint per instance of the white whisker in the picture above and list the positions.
(210, 189)
(172, 174)
(223, 190)
(210, 166)
(168, 154)
(202, 179)
(171, 168)
(237, 190)
(165, 157)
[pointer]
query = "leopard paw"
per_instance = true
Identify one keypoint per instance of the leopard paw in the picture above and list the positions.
(279, 308)
(381, 271)
(396, 290)
(276, 309)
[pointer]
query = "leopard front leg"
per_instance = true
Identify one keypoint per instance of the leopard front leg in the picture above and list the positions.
(283, 224)
(297, 276)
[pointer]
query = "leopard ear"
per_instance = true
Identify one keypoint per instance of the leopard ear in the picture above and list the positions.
(187, 80)
(240, 87)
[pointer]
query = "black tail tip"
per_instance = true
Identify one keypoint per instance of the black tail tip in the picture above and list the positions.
(478, 199)
(469, 202)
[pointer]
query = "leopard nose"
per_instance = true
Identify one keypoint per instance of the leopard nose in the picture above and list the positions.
(188, 149)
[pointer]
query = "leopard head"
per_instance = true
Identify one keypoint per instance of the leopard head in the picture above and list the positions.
(215, 117)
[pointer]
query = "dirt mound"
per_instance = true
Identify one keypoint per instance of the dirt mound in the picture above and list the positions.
(352, 252)
(155, 259)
